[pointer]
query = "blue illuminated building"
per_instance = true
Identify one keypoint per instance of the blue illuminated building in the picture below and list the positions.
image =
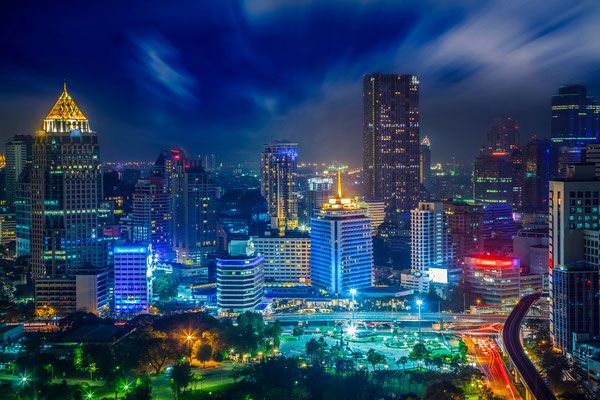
(132, 275)
(341, 246)
(575, 119)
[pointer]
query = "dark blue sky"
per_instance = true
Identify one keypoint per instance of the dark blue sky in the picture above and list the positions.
(226, 76)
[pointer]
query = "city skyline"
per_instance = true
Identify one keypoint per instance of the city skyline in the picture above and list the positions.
(179, 83)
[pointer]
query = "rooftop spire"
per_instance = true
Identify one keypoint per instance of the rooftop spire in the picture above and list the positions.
(65, 85)
(339, 184)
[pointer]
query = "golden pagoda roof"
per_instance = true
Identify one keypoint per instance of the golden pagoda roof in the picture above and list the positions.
(66, 109)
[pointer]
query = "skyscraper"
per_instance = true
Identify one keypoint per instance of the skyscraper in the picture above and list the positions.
(465, 224)
(19, 154)
(341, 246)
(539, 158)
(279, 172)
(575, 119)
(574, 243)
(151, 216)
(503, 136)
(492, 178)
(66, 189)
(433, 254)
(23, 212)
(391, 139)
(425, 161)
(195, 200)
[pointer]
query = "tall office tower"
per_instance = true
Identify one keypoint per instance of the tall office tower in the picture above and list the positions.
(195, 200)
(502, 137)
(66, 189)
(391, 139)
(240, 278)
(341, 246)
(425, 161)
(287, 258)
(492, 178)
(208, 162)
(318, 193)
(376, 211)
(498, 221)
(23, 212)
(573, 224)
(575, 119)
(19, 154)
(539, 157)
(517, 178)
(279, 172)
(133, 278)
(151, 216)
(465, 224)
(433, 255)
(164, 166)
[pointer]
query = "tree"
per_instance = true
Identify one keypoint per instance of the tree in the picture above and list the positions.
(204, 353)
(142, 390)
(375, 358)
(272, 334)
(197, 379)
(443, 391)
(147, 346)
(165, 286)
(298, 331)
(402, 361)
(419, 352)
(316, 349)
(180, 377)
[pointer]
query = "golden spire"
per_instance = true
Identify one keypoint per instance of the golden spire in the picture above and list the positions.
(65, 85)
(65, 108)
(339, 184)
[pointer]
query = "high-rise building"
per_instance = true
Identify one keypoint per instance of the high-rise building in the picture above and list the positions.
(502, 137)
(318, 193)
(341, 246)
(498, 221)
(433, 254)
(376, 211)
(195, 200)
(151, 216)
(425, 161)
(287, 258)
(23, 213)
(132, 277)
(575, 119)
(66, 189)
(492, 178)
(279, 172)
(465, 224)
(573, 223)
(19, 155)
(539, 159)
(391, 140)
(240, 278)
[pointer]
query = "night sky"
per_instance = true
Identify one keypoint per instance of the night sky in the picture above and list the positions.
(227, 76)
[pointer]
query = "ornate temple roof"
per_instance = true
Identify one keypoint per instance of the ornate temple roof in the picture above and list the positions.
(66, 109)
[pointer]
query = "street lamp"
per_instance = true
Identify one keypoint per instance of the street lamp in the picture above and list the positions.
(352, 292)
(419, 303)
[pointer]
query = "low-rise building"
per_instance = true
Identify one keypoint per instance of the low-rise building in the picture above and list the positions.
(494, 280)
(287, 258)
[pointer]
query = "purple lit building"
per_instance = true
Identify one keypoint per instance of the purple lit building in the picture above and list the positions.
(133, 289)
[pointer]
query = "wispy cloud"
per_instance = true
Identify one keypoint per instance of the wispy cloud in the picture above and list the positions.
(162, 72)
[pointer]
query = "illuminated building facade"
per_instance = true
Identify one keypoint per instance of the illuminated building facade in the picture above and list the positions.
(195, 199)
(391, 140)
(492, 178)
(19, 155)
(425, 161)
(575, 124)
(240, 278)
(432, 255)
(465, 224)
(319, 191)
(133, 278)
(376, 211)
(287, 258)
(502, 137)
(494, 280)
(540, 159)
(279, 173)
(151, 216)
(66, 189)
(23, 213)
(498, 221)
(574, 213)
(341, 246)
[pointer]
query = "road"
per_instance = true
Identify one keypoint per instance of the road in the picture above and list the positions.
(512, 343)
(487, 357)
(391, 316)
